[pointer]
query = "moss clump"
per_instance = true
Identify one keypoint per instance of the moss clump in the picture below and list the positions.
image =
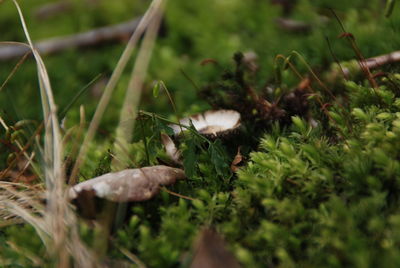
(309, 197)
(313, 201)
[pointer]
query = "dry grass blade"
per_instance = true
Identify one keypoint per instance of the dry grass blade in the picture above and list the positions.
(132, 97)
(94, 124)
(14, 70)
(57, 205)
(21, 205)
(13, 208)
(132, 257)
(26, 196)
(59, 222)
(58, 228)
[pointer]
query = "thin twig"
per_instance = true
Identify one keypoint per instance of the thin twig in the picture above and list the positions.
(178, 195)
(58, 44)
(293, 25)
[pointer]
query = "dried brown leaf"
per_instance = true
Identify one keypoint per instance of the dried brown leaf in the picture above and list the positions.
(236, 161)
(211, 252)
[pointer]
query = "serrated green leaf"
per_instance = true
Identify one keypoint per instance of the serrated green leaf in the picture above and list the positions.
(160, 126)
(218, 158)
(190, 157)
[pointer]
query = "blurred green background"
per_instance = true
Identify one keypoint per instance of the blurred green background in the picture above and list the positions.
(192, 31)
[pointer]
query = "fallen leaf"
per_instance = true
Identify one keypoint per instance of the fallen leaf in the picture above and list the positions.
(236, 161)
(129, 185)
(211, 252)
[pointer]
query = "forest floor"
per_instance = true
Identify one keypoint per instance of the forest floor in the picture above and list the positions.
(234, 133)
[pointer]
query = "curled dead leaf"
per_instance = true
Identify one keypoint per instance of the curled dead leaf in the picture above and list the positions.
(236, 161)
(129, 185)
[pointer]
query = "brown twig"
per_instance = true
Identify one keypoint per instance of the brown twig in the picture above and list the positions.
(293, 25)
(378, 61)
(90, 38)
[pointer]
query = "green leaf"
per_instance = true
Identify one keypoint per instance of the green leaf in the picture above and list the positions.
(218, 158)
(160, 126)
(77, 96)
(156, 89)
(190, 157)
(287, 62)
(389, 7)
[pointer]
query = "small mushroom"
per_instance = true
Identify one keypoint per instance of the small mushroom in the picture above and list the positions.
(129, 185)
(171, 150)
(212, 124)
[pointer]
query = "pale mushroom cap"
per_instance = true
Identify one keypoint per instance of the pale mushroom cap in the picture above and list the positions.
(212, 122)
(130, 184)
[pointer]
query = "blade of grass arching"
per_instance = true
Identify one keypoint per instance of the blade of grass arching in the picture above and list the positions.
(37, 131)
(59, 220)
(52, 132)
(77, 135)
(6, 223)
(105, 99)
(14, 70)
(125, 127)
(56, 203)
(345, 76)
(49, 108)
(294, 52)
(129, 109)
(26, 194)
(37, 223)
(77, 96)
